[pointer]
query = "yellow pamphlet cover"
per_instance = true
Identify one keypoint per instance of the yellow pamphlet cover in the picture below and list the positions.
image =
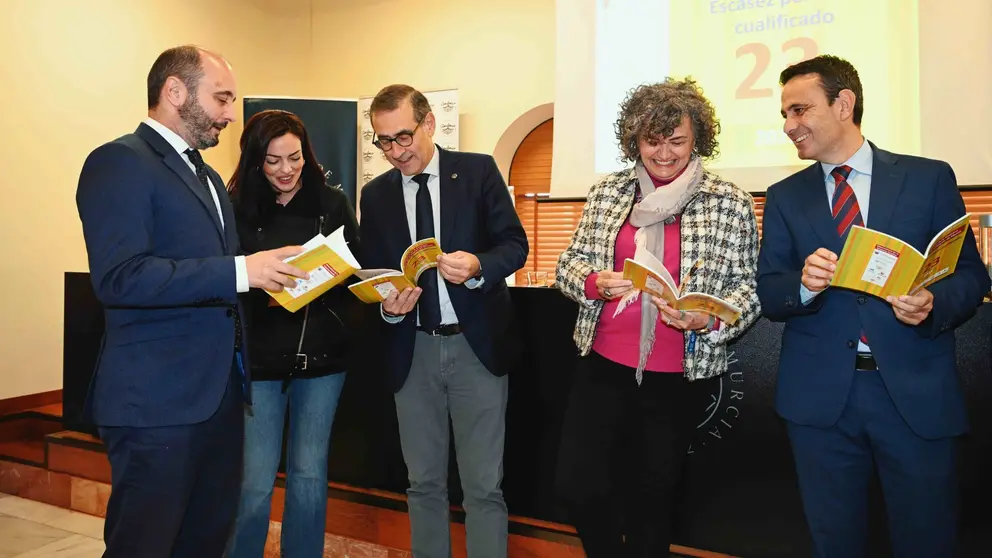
(378, 283)
(650, 276)
(328, 260)
(882, 265)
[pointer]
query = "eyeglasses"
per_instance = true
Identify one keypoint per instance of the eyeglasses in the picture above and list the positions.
(404, 139)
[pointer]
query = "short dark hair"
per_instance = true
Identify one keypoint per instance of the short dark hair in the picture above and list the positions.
(836, 74)
(249, 189)
(184, 62)
(392, 96)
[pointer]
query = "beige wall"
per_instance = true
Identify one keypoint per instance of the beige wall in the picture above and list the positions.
(78, 81)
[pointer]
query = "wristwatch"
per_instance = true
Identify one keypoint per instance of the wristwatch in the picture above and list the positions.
(709, 326)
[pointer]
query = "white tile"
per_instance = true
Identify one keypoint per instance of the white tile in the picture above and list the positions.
(18, 536)
(76, 546)
(31, 510)
(81, 523)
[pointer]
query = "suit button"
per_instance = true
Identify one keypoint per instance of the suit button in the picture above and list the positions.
(862, 299)
(229, 312)
(851, 344)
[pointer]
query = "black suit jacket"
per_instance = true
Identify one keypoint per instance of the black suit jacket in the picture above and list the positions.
(477, 216)
(163, 267)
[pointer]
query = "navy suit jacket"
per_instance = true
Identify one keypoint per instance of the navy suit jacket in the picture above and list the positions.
(477, 216)
(163, 268)
(912, 199)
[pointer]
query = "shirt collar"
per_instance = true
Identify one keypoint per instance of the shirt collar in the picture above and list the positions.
(433, 168)
(177, 143)
(860, 162)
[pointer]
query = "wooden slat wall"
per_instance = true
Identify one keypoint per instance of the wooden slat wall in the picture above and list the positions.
(530, 176)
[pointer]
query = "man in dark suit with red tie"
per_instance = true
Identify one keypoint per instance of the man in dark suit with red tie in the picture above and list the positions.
(449, 342)
(171, 382)
(864, 381)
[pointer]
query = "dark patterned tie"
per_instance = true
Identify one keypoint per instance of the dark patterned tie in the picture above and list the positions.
(428, 304)
(200, 166)
(846, 210)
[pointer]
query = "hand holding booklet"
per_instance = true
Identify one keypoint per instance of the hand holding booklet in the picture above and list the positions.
(649, 275)
(879, 264)
(328, 260)
(378, 283)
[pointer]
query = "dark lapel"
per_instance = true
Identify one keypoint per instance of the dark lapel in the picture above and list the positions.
(448, 182)
(886, 184)
(230, 227)
(395, 206)
(178, 165)
(813, 197)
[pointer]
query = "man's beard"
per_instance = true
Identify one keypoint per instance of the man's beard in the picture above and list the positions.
(198, 124)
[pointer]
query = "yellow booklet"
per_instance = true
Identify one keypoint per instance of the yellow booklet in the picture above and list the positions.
(649, 275)
(378, 283)
(329, 262)
(882, 265)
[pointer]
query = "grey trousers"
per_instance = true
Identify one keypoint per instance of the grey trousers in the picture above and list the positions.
(446, 377)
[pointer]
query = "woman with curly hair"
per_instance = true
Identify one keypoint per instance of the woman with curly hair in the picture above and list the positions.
(634, 402)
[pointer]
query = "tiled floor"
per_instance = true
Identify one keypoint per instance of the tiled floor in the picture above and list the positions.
(30, 529)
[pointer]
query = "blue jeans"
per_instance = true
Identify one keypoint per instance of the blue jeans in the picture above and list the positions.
(312, 403)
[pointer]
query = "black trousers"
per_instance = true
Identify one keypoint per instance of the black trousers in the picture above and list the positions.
(622, 450)
(175, 489)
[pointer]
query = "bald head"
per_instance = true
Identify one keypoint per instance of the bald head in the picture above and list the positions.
(192, 91)
(185, 63)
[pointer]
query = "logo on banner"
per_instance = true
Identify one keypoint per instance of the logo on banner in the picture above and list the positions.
(722, 406)
(447, 128)
(366, 113)
(447, 106)
(367, 134)
(367, 156)
(450, 148)
(366, 177)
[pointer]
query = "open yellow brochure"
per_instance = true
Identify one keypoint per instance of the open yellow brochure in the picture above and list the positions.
(378, 283)
(649, 275)
(329, 262)
(882, 265)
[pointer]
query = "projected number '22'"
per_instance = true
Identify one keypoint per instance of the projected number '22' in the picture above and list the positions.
(762, 57)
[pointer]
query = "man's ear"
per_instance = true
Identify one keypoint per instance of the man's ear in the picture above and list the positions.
(845, 101)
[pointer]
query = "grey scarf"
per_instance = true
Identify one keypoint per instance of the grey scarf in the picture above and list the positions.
(649, 215)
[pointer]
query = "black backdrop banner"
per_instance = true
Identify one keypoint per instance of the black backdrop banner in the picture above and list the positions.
(739, 495)
(333, 128)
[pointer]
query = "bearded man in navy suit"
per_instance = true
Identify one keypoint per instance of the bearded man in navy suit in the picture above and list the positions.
(171, 382)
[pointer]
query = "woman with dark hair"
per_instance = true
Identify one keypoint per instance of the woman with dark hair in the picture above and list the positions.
(633, 404)
(297, 359)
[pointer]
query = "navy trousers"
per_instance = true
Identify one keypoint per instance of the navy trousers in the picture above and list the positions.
(175, 489)
(918, 478)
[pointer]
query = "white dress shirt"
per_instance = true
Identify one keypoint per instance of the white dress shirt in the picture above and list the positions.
(180, 145)
(860, 181)
(410, 188)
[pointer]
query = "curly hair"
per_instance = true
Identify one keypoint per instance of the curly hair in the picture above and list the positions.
(657, 109)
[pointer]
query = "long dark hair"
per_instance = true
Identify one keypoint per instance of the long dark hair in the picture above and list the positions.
(250, 190)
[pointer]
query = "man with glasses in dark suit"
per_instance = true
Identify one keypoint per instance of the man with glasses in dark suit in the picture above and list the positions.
(450, 341)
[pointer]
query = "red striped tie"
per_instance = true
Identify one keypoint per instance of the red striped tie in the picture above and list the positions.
(845, 208)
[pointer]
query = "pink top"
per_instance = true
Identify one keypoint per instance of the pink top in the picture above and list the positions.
(618, 339)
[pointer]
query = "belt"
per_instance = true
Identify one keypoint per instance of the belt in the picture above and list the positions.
(865, 362)
(442, 330)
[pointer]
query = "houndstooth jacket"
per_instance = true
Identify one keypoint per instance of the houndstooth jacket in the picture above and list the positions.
(718, 227)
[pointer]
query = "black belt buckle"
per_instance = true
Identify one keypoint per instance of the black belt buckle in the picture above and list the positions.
(443, 330)
(865, 363)
(301, 361)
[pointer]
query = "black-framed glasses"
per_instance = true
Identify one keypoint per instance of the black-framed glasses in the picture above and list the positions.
(403, 139)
